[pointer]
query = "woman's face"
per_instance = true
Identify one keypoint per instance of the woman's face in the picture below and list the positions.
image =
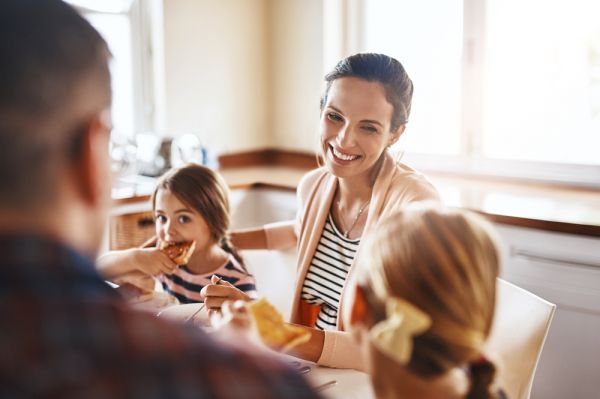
(355, 126)
(177, 222)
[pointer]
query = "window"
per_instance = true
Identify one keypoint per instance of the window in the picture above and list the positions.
(124, 26)
(502, 87)
(432, 61)
(542, 81)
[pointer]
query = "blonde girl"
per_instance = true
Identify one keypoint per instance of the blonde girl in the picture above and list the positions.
(424, 304)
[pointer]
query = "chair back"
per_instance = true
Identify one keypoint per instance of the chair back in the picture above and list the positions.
(521, 324)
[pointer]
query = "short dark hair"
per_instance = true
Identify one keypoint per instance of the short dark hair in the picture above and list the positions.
(50, 56)
(382, 69)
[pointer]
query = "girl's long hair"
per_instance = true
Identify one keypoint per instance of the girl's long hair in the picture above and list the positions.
(445, 262)
(205, 191)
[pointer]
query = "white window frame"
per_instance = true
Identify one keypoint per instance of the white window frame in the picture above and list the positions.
(343, 36)
(148, 58)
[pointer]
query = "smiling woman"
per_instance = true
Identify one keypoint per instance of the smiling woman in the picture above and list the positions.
(363, 111)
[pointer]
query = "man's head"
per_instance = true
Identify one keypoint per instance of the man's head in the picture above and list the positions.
(54, 120)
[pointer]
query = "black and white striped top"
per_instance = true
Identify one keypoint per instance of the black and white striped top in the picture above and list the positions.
(327, 274)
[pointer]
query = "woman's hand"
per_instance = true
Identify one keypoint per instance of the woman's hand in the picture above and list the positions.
(153, 261)
(234, 316)
(235, 324)
(220, 291)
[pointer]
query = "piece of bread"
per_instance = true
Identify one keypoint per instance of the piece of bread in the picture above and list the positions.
(272, 328)
(178, 252)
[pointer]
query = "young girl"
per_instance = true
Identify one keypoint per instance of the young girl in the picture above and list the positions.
(423, 305)
(189, 204)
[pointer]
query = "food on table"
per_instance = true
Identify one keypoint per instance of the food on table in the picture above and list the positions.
(272, 328)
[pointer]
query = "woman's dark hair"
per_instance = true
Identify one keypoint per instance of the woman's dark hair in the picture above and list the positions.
(382, 69)
(206, 192)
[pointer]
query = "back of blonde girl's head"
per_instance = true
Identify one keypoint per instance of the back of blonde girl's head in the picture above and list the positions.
(445, 263)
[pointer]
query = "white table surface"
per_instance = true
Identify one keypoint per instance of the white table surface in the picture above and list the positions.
(349, 383)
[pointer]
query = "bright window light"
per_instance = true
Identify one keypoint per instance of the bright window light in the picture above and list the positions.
(542, 81)
(116, 30)
(426, 37)
(108, 6)
(502, 87)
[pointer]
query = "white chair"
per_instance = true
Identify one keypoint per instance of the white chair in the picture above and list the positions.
(520, 327)
(275, 273)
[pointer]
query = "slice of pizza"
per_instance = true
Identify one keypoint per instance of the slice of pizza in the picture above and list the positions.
(272, 328)
(178, 252)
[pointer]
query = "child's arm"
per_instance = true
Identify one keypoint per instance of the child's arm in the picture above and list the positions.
(151, 261)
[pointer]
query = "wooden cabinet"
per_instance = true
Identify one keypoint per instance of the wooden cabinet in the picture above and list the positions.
(130, 229)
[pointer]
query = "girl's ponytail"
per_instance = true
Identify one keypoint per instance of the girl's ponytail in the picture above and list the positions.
(230, 248)
(482, 373)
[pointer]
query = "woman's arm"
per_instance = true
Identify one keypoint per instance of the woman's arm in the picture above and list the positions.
(235, 315)
(279, 235)
(312, 349)
(254, 238)
(275, 236)
(336, 349)
(340, 350)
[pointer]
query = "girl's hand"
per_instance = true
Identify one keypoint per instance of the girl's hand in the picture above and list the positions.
(153, 261)
(220, 291)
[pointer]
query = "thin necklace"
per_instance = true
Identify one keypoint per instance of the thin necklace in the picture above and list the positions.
(360, 211)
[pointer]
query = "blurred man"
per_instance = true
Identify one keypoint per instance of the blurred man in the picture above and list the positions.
(63, 331)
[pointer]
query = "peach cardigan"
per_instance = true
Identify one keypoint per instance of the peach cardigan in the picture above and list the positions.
(395, 186)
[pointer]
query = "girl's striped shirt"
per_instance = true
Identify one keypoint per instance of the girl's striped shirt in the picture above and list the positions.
(185, 285)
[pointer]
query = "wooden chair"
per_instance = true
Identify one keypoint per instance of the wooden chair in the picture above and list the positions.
(520, 327)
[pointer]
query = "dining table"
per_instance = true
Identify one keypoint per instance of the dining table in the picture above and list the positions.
(331, 383)
(338, 383)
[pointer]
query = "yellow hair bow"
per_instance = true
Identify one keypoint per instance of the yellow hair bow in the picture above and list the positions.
(394, 335)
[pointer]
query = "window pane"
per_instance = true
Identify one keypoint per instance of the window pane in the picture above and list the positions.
(542, 80)
(426, 37)
(108, 6)
(116, 30)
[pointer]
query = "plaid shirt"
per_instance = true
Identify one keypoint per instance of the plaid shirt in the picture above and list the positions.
(65, 334)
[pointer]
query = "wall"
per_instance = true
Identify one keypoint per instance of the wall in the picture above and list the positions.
(244, 74)
(297, 47)
(216, 71)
